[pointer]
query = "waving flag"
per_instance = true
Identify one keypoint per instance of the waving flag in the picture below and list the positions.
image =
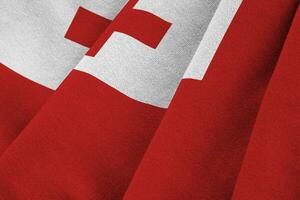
(172, 100)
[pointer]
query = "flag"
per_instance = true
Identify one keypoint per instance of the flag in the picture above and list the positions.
(171, 100)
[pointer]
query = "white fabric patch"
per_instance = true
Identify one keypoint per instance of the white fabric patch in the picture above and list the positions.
(212, 39)
(152, 75)
(32, 36)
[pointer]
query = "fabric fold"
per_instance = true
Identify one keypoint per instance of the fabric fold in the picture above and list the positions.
(271, 167)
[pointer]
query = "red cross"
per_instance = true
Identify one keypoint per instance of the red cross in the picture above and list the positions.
(139, 24)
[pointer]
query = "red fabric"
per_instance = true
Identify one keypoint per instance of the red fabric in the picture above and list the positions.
(85, 143)
(198, 148)
(271, 168)
(20, 99)
(86, 27)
